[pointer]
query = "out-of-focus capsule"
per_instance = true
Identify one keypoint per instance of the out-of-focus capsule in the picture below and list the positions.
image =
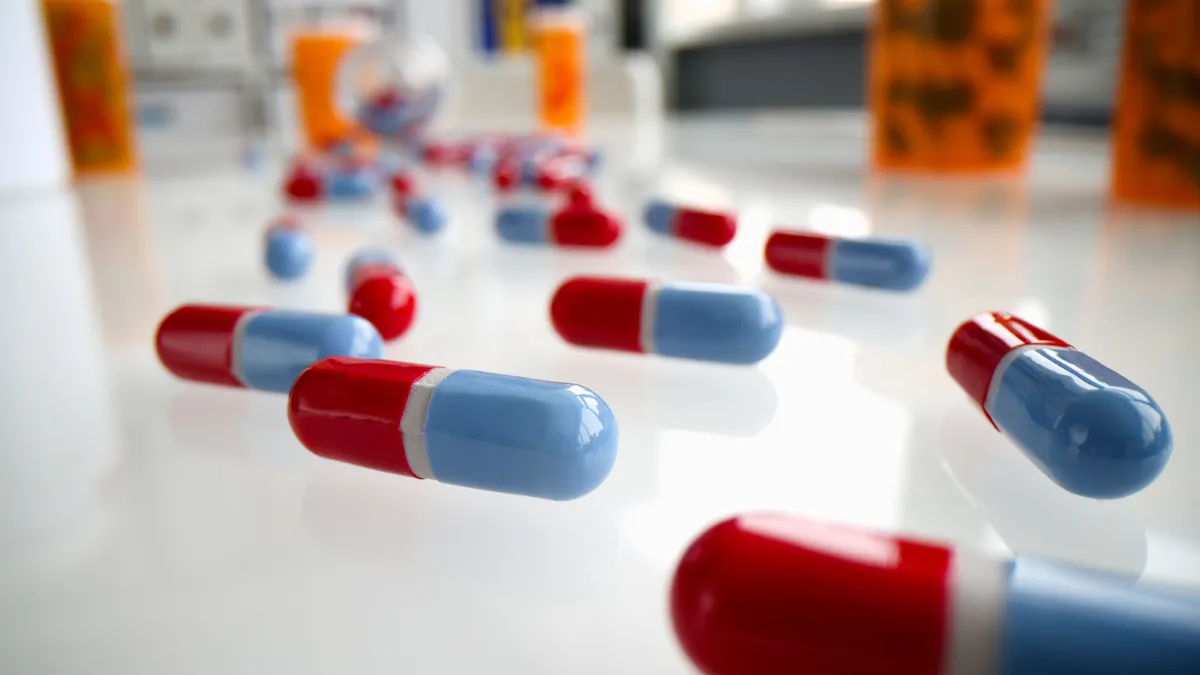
(350, 182)
(384, 112)
(708, 322)
(425, 214)
(573, 225)
(878, 262)
(289, 249)
(709, 228)
(254, 347)
(403, 184)
(494, 432)
(507, 175)
(1085, 426)
(303, 184)
(381, 293)
(765, 594)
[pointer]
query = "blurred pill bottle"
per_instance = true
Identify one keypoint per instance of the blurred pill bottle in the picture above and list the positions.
(317, 53)
(93, 84)
(1156, 128)
(559, 34)
(955, 84)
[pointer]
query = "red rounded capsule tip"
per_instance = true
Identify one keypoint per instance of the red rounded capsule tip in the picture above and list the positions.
(774, 594)
(302, 185)
(195, 342)
(584, 225)
(402, 184)
(978, 345)
(705, 227)
(797, 253)
(599, 312)
(388, 301)
(349, 410)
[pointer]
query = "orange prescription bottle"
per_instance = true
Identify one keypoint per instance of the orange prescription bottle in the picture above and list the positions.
(1156, 129)
(93, 84)
(316, 55)
(955, 84)
(559, 39)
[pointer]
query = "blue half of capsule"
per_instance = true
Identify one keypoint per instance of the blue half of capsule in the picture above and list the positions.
(660, 217)
(426, 215)
(711, 322)
(1088, 428)
(523, 223)
(880, 262)
(349, 184)
(289, 253)
(482, 159)
(517, 435)
(273, 347)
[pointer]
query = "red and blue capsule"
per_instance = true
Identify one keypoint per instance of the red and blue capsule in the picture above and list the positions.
(708, 228)
(289, 249)
(577, 223)
(877, 262)
(381, 293)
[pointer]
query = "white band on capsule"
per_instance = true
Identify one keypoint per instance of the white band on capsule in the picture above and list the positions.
(412, 423)
(646, 325)
(235, 349)
(828, 264)
(976, 588)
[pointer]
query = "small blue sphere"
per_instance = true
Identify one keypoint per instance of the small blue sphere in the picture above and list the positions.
(289, 253)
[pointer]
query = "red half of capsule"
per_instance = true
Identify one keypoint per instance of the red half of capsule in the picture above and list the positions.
(350, 410)
(978, 345)
(402, 184)
(385, 297)
(798, 253)
(506, 176)
(768, 594)
(302, 185)
(579, 194)
(705, 227)
(195, 342)
(584, 225)
(599, 312)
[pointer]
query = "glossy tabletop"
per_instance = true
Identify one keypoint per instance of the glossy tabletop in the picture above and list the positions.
(150, 525)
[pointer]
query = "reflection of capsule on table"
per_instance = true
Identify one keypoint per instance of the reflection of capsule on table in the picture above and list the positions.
(381, 293)
(876, 262)
(463, 427)
(1085, 426)
(771, 593)
(707, 322)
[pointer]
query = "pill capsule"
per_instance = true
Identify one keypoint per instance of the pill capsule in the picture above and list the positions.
(1085, 426)
(425, 214)
(464, 427)
(289, 249)
(381, 293)
(878, 262)
(765, 594)
(708, 322)
(702, 227)
(576, 224)
(303, 184)
(349, 182)
(506, 175)
(257, 348)
(402, 183)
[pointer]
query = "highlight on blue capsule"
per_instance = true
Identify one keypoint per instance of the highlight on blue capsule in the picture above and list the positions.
(289, 253)
(710, 322)
(880, 262)
(275, 346)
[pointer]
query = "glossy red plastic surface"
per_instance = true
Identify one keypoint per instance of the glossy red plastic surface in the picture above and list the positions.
(976, 347)
(584, 225)
(507, 176)
(195, 342)
(386, 298)
(705, 227)
(797, 253)
(772, 594)
(349, 410)
(402, 184)
(599, 312)
(302, 185)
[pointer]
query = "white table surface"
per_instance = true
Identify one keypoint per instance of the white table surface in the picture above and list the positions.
(152, 526)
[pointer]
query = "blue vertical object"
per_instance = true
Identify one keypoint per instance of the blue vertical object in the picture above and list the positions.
(489, 31)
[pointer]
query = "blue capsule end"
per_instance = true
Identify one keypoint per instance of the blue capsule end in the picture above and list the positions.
(709, 322)
(276, 346)
(890, 264)
(483, 159)
(349, 184)
(1088, 428)
(659, 217)
(512, 434)
(523, 223)
(289, 254)
(426, 215)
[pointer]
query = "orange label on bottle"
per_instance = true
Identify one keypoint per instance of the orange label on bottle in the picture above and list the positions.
(93, 85)
(560, 59)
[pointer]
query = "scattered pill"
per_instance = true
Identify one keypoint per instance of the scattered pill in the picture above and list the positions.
(303, 184)
(402, 183)
(574, 225)
(349, 182)
(702, 227)
(1085, 426)
(425, 214)
(464, 427)
(381, 293)
(708, 322)
(765, 594)
(289, 250)
(878, 262)
(254, 347)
